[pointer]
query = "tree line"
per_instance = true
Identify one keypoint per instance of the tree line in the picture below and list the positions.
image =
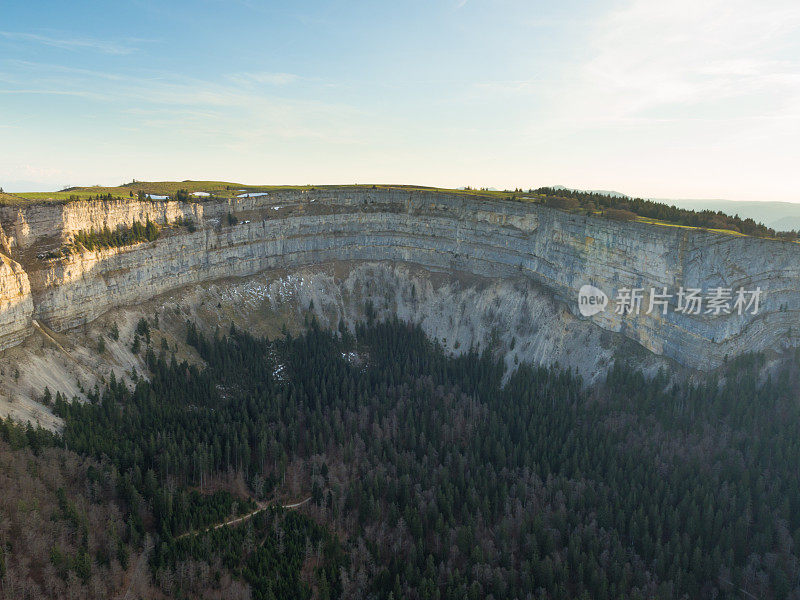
(626, 208)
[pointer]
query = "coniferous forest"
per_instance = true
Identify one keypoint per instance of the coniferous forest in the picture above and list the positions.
(430, 476)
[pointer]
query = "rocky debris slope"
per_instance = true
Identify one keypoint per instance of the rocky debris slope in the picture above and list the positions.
(514, 317)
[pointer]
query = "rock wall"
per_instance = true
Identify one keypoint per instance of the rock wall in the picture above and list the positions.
(16, 303)
(441, 232)
(28, 225)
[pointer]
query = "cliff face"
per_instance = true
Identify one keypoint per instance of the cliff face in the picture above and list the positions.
(27, 226)
(556, 251)
(16, 303)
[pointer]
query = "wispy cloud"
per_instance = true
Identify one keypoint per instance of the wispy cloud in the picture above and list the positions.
(262, 77)
(69, 43)
(511, 88)
(234, 110)
(53, 92)
(653, 58)
(682, 98)
(29, 171)
(27, 68)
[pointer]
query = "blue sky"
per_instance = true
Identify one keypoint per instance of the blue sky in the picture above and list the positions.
(695, 98)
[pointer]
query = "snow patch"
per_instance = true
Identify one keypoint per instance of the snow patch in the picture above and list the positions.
(352, 357)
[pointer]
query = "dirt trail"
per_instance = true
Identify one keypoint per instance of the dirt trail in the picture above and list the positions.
(260, 506)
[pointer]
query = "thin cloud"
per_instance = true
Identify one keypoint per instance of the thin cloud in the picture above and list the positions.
(680, 98)
(235, 111)
(69, 43)
(511, 88)
(30, 171)
(51, 92)
(44, 69)
(262, 77)
(651, 56)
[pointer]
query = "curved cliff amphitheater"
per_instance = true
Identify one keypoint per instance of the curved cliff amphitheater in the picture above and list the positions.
(472, 270)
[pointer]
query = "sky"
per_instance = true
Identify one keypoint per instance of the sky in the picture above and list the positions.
(678, 99)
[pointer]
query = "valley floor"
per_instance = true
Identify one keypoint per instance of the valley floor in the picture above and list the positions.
(421, 474)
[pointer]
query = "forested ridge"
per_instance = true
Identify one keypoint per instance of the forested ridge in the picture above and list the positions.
(627, 208)
(433, 477)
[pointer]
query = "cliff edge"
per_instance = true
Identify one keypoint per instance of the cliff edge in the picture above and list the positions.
(556, 252)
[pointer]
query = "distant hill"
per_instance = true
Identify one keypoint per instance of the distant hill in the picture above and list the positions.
(780, 216)
(604, 192)
(787, 224)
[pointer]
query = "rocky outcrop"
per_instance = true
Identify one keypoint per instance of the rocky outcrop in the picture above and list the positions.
(29, 225)
(16, 303)
(558, 252)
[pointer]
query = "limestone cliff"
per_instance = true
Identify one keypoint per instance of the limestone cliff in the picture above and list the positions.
(16, 303)
(553, 251)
